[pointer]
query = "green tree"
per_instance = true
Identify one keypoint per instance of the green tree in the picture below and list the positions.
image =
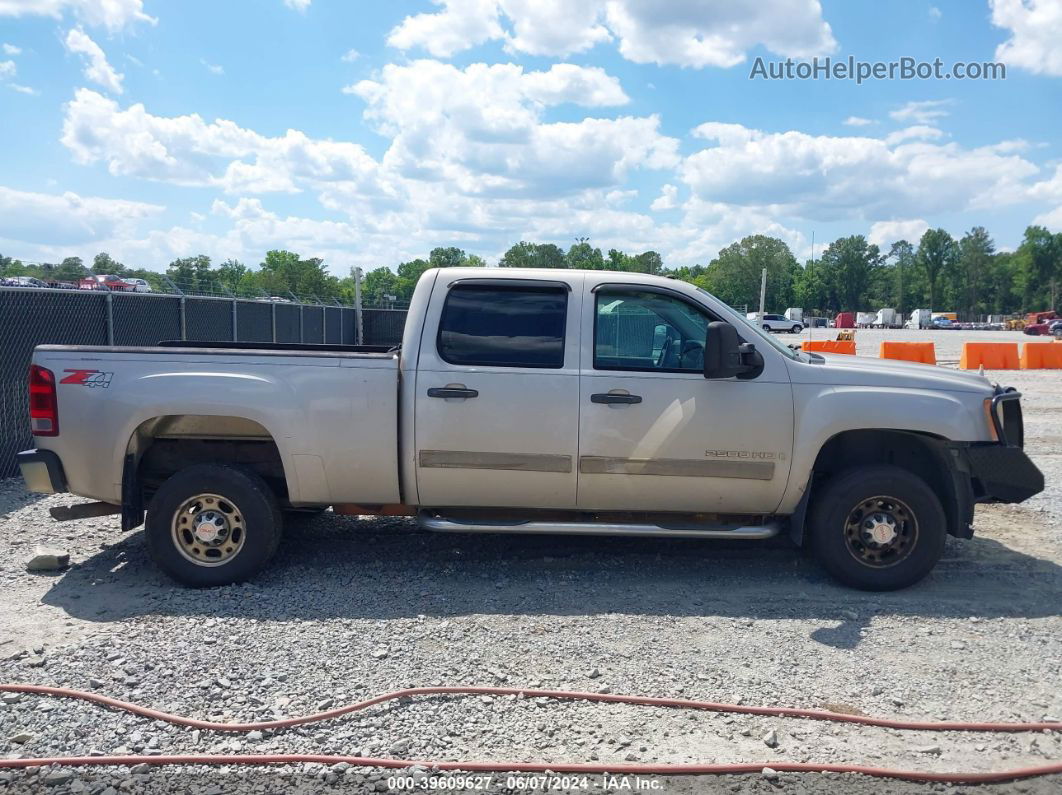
(104, 263)
(236, 277)
(850, 265)
(734, 276)
(70, 269)
(193, 275)
(533, 255)
(649, 262)
(937, 253)
(583, 256)
(284, 271)
(378, 287)
(976, 249)
(1038, 262)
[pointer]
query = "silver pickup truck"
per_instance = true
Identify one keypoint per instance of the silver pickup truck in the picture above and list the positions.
(531, 401)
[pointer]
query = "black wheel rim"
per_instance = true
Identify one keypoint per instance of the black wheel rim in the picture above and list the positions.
(880, 532)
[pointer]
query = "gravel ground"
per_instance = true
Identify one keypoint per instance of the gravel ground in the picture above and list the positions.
(353, 608)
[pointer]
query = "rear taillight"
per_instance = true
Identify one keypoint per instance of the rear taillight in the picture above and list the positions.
(43, 406)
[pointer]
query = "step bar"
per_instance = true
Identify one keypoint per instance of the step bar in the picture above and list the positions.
(440, 524)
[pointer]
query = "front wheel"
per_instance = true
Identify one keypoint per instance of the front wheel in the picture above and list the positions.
(213, 524)
(877, 528)
(796, 329)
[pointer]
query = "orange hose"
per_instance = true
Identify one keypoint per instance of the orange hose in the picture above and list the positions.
(538, 767)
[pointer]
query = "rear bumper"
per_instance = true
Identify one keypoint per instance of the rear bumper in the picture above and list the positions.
(1002, 473)
(42, 471)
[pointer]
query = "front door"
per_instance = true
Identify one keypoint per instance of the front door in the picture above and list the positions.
(497, 394)
(655, 434)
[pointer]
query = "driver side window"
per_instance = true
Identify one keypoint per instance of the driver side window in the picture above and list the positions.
(647, 331)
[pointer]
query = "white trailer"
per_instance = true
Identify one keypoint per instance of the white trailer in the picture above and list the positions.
(795, 313)
(920, 318)
(887, 318)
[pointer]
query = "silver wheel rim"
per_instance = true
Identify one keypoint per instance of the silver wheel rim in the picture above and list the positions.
(208, 530)
(881, 532)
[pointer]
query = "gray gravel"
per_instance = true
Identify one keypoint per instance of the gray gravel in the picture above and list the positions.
(353, 608)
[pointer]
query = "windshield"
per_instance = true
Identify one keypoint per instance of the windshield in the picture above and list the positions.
(746, 323)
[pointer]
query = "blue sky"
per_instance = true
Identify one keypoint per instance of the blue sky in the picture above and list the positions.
(368, 133)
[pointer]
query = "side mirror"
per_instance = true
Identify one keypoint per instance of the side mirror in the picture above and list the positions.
(722, 352)
(725, 356)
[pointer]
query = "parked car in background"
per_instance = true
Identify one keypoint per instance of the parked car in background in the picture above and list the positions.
(106, 281)
(943, 322)
(780, 323)
(1039, 323)
(816, 322)
(22, 281)
(140, 285)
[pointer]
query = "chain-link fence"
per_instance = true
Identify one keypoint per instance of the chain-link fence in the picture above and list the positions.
(31, 317)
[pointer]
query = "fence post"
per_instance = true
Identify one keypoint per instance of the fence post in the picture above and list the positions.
(234, 337)
(110, 318)
(184, 320)
(359, 331)
(302, 338)
(273, 306)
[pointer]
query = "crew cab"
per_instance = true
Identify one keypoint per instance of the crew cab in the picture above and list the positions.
(530, 401)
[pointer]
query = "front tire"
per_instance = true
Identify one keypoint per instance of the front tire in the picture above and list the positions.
(796, 329)
(877, 528)
(213, 524)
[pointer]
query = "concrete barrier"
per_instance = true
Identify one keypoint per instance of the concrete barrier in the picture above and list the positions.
(990, 355)
(922, 352)
(1041, 356)
(830, 346)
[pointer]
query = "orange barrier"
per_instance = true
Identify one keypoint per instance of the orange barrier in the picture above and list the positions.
(830, 346)
(1041, 356)
(923, 352)
(990, 355)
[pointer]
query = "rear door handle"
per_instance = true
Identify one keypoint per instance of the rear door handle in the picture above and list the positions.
(609, 398)
(451, 392)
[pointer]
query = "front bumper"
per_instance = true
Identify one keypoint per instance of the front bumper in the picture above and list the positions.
(42, 471)
(1002, 473)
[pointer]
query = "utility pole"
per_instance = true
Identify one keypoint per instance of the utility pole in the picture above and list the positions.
(763, 292)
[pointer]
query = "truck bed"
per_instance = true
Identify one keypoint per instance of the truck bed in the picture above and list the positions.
(331, 411)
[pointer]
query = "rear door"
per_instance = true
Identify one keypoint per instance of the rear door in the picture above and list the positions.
(497, 393)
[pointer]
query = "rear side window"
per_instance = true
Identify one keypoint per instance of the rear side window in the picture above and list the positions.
(500, 326)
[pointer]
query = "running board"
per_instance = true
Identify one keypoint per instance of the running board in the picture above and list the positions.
(442, 525)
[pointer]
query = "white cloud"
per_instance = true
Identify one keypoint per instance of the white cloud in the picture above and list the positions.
(684, 32)
(841, 177)
(7, 70)
(1036, 30)
(350, 56)
(1052, 220)
(11, 49)
(298, 5)
(114, 15)
(188, 151)
(97, 69)
(214, 69)
(66, 218)
(667, 200)
(917, 132)
(460, 25)
(858, 121)
(922, 112)
(480, 128)
(23, 89)
(885, 233)
(935, 13)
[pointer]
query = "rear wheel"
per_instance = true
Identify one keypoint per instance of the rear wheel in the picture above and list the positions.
(213, 524)
(877, 528)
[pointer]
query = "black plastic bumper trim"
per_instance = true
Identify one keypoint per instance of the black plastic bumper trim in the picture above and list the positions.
(1002, 473)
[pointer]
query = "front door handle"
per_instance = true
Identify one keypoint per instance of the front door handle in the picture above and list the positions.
(610, 398)
(451, 392)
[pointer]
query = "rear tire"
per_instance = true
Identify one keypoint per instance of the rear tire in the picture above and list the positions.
(877, 528)
(213, 524)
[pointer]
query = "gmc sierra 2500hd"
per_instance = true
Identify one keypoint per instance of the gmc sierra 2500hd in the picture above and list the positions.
(526, 401)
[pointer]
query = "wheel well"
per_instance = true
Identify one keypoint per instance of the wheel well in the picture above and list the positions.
(921, 454)
(165, 445)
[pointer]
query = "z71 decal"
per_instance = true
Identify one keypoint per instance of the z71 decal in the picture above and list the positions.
(91, 378)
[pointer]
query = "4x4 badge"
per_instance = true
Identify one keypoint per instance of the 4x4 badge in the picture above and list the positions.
(91, 378)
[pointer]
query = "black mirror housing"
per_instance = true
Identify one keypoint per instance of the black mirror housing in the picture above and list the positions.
(722, 351)
(725, 356)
